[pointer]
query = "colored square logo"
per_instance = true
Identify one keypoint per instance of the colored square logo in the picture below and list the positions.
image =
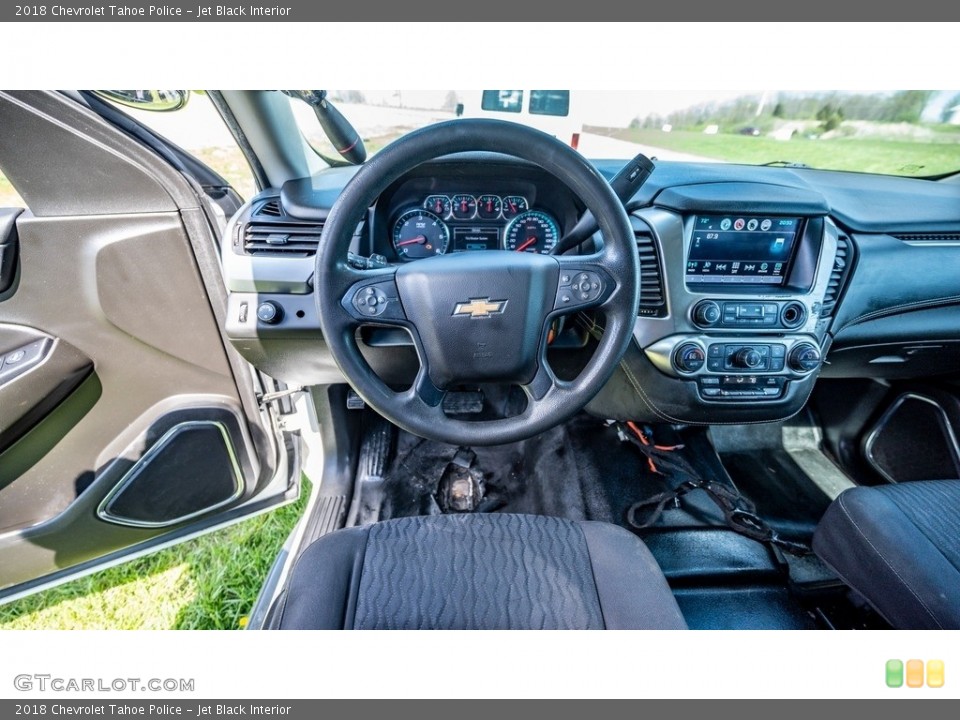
(914, 672)
(894, 673)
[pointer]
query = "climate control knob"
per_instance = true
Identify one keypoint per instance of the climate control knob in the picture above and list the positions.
(706, 313)
(804, 358)
(689, 358)
(748, 357)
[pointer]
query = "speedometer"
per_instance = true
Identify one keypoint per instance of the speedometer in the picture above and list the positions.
(419, 234)
(533, 231)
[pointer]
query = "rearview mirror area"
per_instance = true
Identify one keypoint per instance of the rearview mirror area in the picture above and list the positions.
(151, 100)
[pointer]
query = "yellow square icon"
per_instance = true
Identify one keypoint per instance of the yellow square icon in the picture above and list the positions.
(935, 673)
(914, 673)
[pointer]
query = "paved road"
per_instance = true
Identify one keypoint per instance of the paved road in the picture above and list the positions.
(600, 147)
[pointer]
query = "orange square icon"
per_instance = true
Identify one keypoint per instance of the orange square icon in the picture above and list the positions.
(914, 673)
(935, 673)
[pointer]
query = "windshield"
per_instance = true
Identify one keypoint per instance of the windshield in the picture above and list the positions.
(909, 132)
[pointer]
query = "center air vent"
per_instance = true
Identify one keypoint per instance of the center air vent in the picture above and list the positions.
(270, 232)
(841, 267)
(652, 300)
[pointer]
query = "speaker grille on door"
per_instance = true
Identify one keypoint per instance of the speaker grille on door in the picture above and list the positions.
(189, 471)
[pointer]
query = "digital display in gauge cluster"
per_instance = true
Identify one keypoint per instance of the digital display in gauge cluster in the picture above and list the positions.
(462, 222)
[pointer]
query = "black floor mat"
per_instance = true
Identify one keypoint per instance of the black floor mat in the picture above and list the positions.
(742, 608)
(784, 495)
(582, 470)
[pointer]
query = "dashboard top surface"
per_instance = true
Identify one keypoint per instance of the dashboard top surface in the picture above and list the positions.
(859, 202)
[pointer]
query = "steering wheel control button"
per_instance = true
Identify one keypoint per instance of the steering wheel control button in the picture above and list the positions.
(706, 313)
(578, 288)
(269, 312)
(804, 358)
(689, 358)
(371, 301)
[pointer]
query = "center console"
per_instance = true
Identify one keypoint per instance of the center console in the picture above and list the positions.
(744, 332)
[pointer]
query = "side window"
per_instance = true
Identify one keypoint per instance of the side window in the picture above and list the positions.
(502, 100)
(9, 197)
(550, 102)
(198, 128)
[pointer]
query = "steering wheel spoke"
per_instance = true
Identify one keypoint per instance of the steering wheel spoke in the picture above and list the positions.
(426, 392)
(543, 381)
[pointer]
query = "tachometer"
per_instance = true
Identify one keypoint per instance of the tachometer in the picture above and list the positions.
(533, 231)
(419, 233)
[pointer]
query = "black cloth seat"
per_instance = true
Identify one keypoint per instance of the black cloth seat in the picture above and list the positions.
(899, 547)
(494, 571)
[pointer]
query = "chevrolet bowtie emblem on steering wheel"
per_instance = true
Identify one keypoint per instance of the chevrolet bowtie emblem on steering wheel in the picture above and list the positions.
(480, 307)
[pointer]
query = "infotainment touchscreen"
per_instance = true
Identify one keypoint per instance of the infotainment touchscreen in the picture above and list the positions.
(748, 249)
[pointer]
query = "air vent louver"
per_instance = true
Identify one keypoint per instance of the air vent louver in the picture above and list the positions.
(841, 266)
(931, 238)
(652, 302)
(270, 232)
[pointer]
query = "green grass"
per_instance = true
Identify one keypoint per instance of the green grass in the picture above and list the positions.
(896, 157)
(209, 583)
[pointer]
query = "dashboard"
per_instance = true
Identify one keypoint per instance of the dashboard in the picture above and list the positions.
(754, 281)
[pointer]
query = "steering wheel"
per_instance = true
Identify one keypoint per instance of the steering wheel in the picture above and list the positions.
(478, 317)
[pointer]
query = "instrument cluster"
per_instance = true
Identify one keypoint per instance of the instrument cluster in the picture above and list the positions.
(461, 222)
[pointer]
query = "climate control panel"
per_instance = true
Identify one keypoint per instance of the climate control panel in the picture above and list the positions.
(738, 369)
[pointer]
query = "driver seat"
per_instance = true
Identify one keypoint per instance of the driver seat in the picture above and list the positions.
(485, 572)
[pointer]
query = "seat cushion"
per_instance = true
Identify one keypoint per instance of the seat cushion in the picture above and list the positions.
(494, 571)
(899, 547)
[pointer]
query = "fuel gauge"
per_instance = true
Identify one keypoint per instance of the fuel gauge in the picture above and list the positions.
(438, 204)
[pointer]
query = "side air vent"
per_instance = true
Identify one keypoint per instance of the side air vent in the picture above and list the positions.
(652, 301)
(271, 208)
(841, 267)
(270, 232)
(930, 238)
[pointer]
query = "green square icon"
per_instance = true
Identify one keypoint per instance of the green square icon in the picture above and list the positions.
(894, 673)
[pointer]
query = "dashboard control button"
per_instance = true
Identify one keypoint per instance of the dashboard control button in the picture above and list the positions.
(715, 364)
(715, 350)
(269, 312)
(749, 358)
(778, 351)
(804, 358)
(793, 314)
(689, 358)
(706, 313)
(776, 364)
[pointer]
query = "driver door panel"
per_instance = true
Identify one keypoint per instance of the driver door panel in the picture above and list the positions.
(137, 426)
